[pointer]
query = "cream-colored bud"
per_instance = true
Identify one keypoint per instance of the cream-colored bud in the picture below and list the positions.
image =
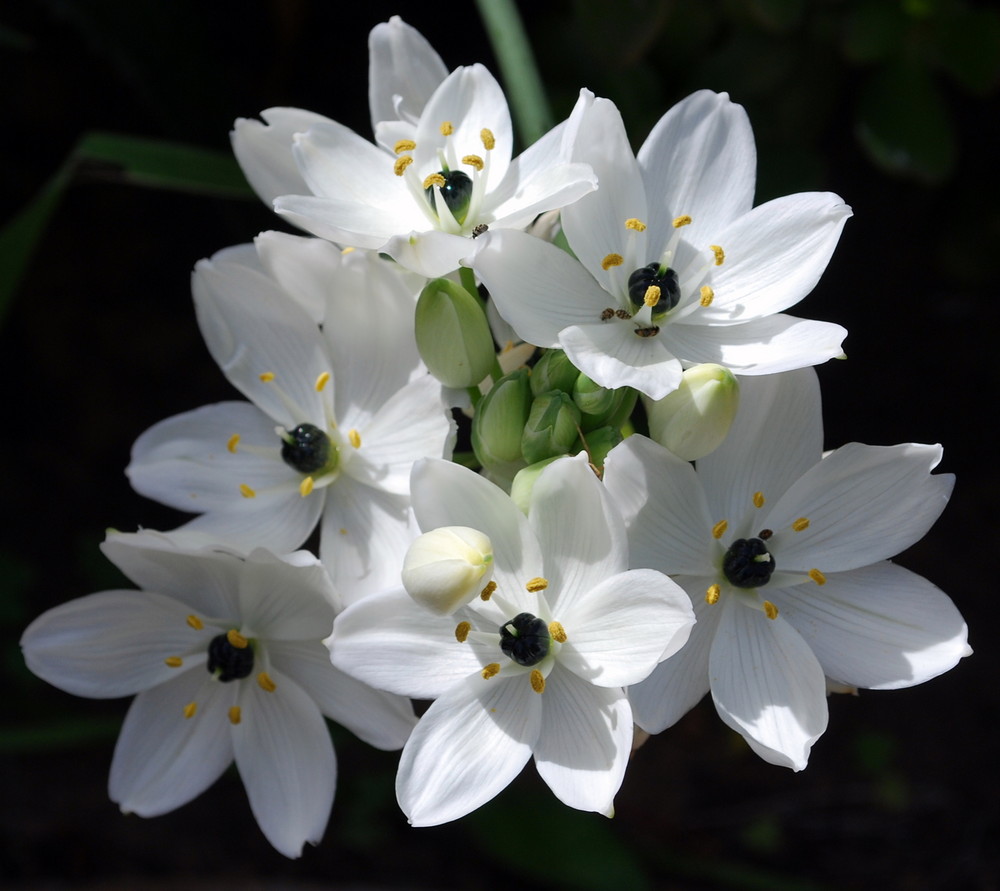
(446, 568)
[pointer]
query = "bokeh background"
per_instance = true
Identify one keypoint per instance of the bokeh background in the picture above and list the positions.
(893, 104)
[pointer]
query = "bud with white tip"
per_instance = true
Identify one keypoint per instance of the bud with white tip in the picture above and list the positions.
(447, 567)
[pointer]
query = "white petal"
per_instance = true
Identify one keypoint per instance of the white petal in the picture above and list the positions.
(468, 747)
(863, 503)
(286, 761)
(403, 71)
(881, 626)
(431, 254)
(281, 601)
(584, 744)
(301, 266)
(619, 630)
(525, 195)
(113, 643)
(767, 684)
(162, 759)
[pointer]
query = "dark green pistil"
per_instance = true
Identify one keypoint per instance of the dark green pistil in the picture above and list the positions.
(457, 193)
(748, 563)
(654, 274)
(306, 448)
(229, 663)
(525, 639)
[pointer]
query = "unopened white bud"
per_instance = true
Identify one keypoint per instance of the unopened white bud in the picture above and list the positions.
(446, 568)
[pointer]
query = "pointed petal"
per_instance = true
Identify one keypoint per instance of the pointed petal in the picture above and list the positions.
(467, 748)
(431, 254)
(403, 71)
(524, 194)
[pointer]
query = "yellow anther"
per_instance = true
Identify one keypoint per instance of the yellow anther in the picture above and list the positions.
(537, 681)
(234, 441)
(612, 260)
(267, 377)
(652, 295)
(487, 592)
(719, 529)
(435, 179)
(265, 683)
(347, 250)
(489, 140)
(236, 639)
(174, 661)
(770, 610)
(342, 530)
(557, 632)
(190, 709)
(712, 594)
(235, 715)
(707, 296)
(636, 225)
(800, 524)
(682, 220)
(246, 491)
(474, 161)
(400, 164)
(462, 630)
(447, 128)
(404, 145)
(355, 438)
(720, 254)
(306, 486)
(758, 499)
(536, 584)
(817, 576)
(195, 623)
(322, 380)
(491, 670)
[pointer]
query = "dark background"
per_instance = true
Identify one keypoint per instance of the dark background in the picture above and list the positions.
(893, 105)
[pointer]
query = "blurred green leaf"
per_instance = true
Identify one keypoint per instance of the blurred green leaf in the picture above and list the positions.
(969, 48)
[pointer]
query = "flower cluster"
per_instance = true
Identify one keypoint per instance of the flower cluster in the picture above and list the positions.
(434, 488)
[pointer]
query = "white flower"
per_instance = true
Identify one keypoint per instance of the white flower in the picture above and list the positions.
(536, 666)
(421, 198)
(676, 267)
(784, 554)
(336, 419)
(256, 625)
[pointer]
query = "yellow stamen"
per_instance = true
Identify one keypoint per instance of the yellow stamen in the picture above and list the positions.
(719, 529)
(404, 145)
(322, 381)
(652, 295)
(306, 486)
(190, 709)
(347, 250)
(234, 441)
(246, 491)
(174, 661)
(236, 639)
(400, 165)
(355, 438)
(435, 179)
(195, 623)
(800, 524)
(462, 631)
(491, 670)
(682, 220)
(267, 377)
(447, 128)
(612, 260)
(817, 576)
(265, 683)
(474, 161)
(712, 594)
(537, 681)
(235, 715)
(487, 592)
(634, 224)
(342, 530)
(720, 254)
(758, 499)
(489, 140)
(770, 610)
(536, 584)
(707, 295)
(557, 632)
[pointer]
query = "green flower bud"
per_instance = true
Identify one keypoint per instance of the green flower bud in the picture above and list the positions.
(524, 482)
(593, 399)
(552, 428)
(694, 419)
(553, 371)
(453, 336)
(447, 568)
(600, 442)
(499, 421)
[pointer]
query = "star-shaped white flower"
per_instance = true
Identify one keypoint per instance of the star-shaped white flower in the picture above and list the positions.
(537, 665)
(785, 556)
(336, 419)
(676, 267)
(226, 656)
